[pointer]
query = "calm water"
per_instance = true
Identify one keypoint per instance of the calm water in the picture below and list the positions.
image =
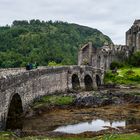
(94, 125)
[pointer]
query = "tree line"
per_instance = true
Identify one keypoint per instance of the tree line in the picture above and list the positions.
(45, 42)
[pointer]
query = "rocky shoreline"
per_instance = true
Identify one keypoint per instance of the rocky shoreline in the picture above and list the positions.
(90, 99)
(102, 98)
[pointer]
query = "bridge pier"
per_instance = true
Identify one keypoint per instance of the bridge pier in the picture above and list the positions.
(95, 86)
(2, 121)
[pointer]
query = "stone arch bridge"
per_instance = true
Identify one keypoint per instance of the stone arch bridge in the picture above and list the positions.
(18, 90)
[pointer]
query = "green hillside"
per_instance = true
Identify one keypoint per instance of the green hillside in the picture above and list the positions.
(43, 42)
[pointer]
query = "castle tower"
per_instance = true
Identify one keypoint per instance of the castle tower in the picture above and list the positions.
(133, 37)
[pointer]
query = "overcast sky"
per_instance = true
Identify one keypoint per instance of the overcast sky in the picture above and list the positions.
(112, 17)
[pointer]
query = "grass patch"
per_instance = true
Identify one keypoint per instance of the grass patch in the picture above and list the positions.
(45, 138)
(122, 137)
(7, 136)
(104, 137)
(11, 136)
(128, 76)
(54, 100)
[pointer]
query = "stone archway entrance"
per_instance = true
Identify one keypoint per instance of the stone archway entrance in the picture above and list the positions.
(88, 83)
(14, 119)
(75, 82)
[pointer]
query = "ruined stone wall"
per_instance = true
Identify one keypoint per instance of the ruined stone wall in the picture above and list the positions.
(102, 57)
(85, 55)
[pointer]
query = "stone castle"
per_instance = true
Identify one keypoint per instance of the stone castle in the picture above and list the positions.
(102, 57)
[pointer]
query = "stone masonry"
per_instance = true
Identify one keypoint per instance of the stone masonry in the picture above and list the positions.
(133, 37)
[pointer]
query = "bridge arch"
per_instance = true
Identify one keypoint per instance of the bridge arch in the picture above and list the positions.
(75, 82)
(15, 111)
(88, 82)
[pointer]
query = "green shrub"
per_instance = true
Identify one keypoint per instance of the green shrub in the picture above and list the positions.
(115, 64)
(124, 76)
(135, 78)
(130, 72)
(53, 63)
(134, 60)
(110, 77)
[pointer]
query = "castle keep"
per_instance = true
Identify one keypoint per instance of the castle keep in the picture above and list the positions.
(102, 57)
(133, 37)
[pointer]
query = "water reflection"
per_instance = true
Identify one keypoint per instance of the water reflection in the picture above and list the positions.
(95, 125)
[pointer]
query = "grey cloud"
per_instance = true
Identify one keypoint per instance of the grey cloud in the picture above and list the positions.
(112, 17)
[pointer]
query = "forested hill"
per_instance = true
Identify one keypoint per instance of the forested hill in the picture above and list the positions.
(44, 42)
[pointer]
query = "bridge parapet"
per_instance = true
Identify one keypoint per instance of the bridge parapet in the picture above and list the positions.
(11, 71)
(21, 75)
(18, 76)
